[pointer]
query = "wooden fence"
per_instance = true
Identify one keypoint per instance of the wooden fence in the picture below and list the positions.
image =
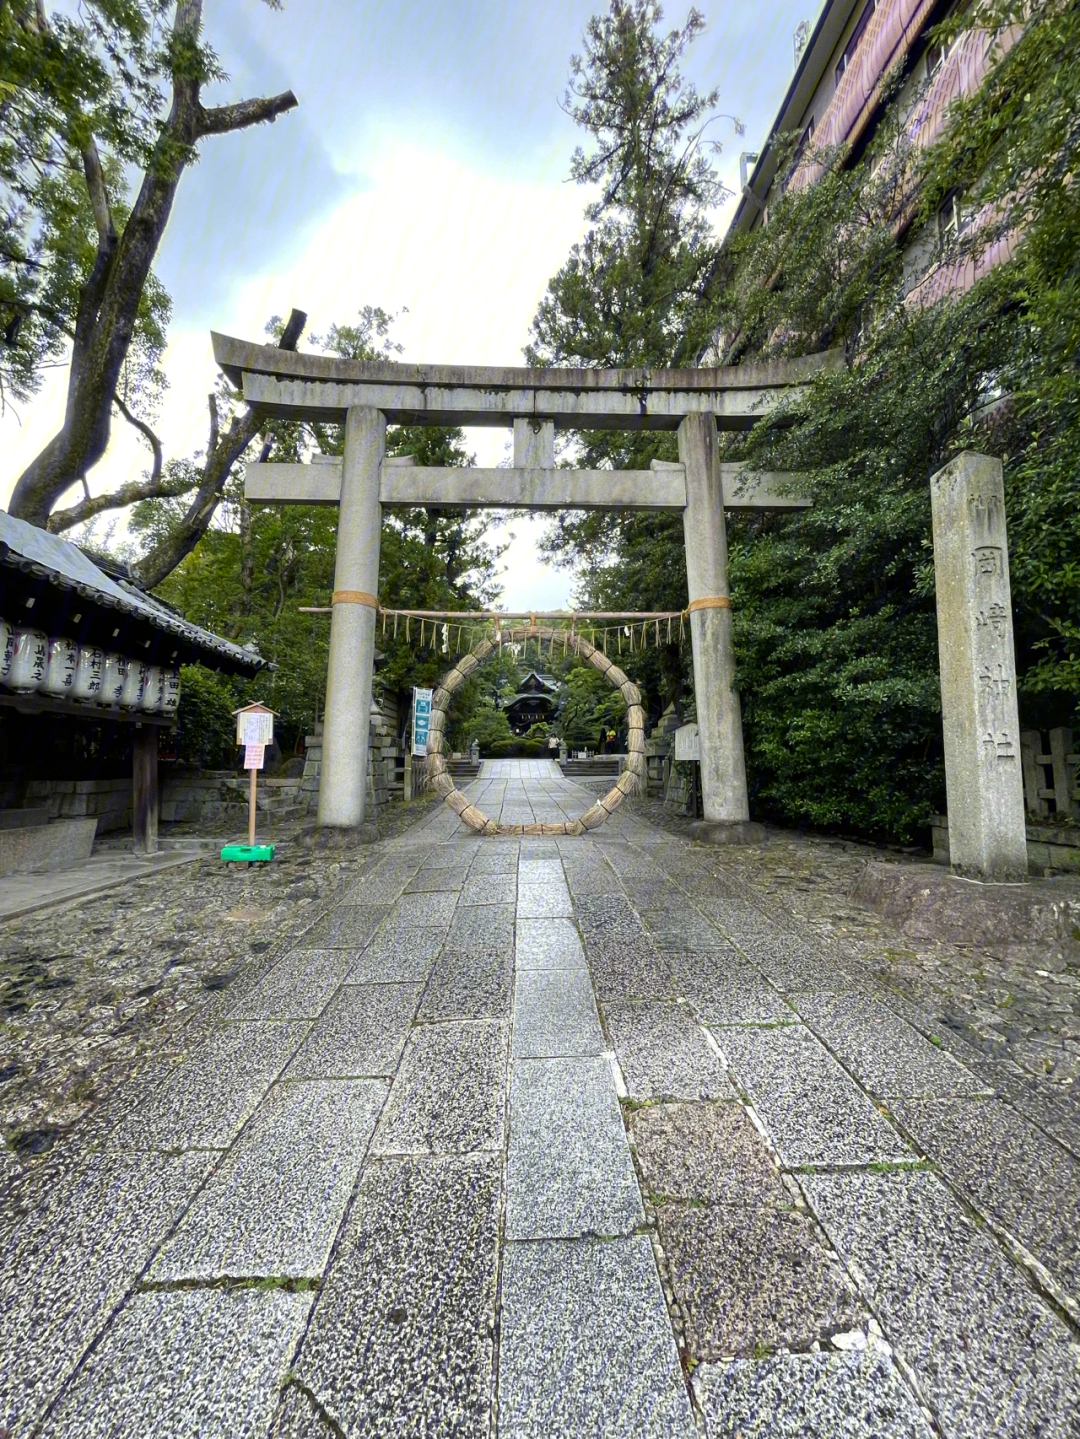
(1050, 774)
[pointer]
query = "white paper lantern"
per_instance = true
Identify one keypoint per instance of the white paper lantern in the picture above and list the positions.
(113, 678)
(172, 691)
(89, 673)
(154, 692)
(60, 668)
(7, 648)
(29, 656)
(132, 693)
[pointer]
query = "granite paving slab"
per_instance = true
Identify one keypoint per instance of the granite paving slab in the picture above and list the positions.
(608, 918)
(682, 929)
(449, 879)
(597, 881)
(419, 911)
(568, 1166)
(881, 1050)
(548, 944)
(548, 870)
(543, 901)
(401, 1339)
(449, 1094)
(710, 1153)
(663, 1051)
(469, 984)
(814, 1112)
(397, 958)
(586, 1345)
(634, 969)
(275, 1204)
(988, 1354)
(488, 926)
(151, 1372)
(495, 859)
(735, 994)
(348, 926)
(656, 891)
(66, 1265)
(299, 1417)
(484, 889)
(748, 1276)
(555, 1014)
(809, 1396)
(361, 1035)
(382, 887)
(1009, 1171)
(299, 986)
(791, 965)
(203, 1101)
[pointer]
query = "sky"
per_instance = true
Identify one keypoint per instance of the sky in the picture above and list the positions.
(424, 171)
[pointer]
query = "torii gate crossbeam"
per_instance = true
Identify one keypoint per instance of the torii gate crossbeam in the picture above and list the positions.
(367, 395)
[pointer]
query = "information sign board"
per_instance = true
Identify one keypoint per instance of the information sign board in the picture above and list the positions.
(254, 756)
(255, 727)
(421, 720)
(686, 743)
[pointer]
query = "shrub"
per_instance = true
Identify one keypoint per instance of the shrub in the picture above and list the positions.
(206, 729)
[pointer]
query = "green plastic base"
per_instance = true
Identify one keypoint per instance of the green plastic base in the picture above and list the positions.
(250, 852)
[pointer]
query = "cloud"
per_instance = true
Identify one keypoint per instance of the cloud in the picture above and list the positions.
(467, 254)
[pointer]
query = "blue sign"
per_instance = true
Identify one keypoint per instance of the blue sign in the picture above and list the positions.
(421, 720)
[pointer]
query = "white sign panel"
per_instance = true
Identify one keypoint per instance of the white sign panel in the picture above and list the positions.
(255, 728)
(421, 720)
(686, 743)
(254, 756)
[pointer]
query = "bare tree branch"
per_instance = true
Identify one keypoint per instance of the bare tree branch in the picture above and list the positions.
(99, 196)
(147, 433)
(130, 494)
(220, 458)
(221, 119)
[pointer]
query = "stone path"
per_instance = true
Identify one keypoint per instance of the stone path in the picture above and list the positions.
(549, 1137)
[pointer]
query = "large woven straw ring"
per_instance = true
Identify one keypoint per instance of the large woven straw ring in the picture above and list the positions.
(627, 783)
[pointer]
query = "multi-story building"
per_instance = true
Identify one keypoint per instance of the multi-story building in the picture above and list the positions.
(836, 100)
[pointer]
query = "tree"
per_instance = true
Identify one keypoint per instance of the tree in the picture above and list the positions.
(630, 293)
(835, 625)
(251, 571)
(88, 101)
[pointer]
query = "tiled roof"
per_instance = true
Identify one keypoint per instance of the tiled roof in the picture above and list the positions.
(35, 551)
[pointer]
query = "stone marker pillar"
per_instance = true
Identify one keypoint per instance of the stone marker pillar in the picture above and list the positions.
(343, 778)
(983, 778)
(723, 770)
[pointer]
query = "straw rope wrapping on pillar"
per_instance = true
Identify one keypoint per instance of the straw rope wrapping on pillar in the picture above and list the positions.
(628, 781)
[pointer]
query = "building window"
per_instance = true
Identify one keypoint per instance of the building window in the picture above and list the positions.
(856, 39)
(936, 55)
(951, 220)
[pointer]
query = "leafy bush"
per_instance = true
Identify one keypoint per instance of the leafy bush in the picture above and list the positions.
(206, 728)
(517, 749)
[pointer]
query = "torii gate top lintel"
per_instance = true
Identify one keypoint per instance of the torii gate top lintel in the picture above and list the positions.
(321, 387)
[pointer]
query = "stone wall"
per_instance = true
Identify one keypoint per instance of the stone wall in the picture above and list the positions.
(106, 800)
(386, 758)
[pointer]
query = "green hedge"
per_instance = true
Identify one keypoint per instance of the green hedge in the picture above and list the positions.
(516, 749)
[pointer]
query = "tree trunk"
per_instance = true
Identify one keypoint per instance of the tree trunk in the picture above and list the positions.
(109, 299)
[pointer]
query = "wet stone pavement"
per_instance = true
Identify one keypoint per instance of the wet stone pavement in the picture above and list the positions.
(532, 1137)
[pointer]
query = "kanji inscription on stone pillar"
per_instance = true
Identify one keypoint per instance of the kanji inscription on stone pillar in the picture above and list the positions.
(983, 778)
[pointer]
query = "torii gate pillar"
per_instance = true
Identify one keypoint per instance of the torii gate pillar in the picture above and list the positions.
(343, 783)
(723, 767)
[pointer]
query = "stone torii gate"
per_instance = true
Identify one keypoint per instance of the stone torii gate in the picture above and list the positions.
(365, 396)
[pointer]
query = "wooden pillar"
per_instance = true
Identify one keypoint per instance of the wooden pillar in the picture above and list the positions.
(144, 789)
